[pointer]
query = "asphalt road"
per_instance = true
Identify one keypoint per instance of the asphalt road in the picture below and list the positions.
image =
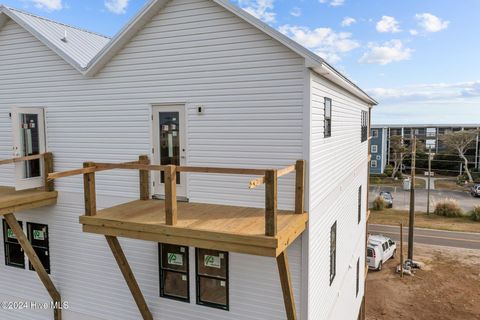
(401, 198)
(465, 240)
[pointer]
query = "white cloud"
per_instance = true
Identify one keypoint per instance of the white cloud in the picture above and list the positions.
(296, 12)
(430, 23)
(336, 3)
(429, 92)
(348, 21)
(413, 32)
(333, 3)
(388, 52)
(49, 5)
(323, 41)
(388, 24)
(262, 9)
(116, 6)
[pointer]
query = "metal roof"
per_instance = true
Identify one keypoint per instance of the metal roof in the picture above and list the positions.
(79, 45)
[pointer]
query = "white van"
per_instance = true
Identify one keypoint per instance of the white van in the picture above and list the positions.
(379, 250)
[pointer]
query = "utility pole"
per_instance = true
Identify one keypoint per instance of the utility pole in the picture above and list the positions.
(401, 250)
(429, 177)
(411, 221)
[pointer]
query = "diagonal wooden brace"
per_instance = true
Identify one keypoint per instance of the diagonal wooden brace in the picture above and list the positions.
(286, 282)
(36, 263)
(129, 277)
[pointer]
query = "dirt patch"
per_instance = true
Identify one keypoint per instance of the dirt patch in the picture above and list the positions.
(448, 289)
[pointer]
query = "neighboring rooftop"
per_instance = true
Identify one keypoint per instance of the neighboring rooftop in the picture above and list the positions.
(443, 125)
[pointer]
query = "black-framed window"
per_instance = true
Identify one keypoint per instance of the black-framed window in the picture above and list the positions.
(359, 204)
(358, 278)
(14, 255)
(174, 272)
(212, 278)
(333, 252)
(328, 118)
(38, 236)
(364, 126)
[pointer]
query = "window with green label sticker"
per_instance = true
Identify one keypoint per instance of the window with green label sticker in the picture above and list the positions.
(10, 234)
(212, 278)
(174, 275)
(14, 255)
(38, 236)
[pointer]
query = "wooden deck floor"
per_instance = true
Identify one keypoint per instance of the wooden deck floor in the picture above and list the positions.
(219, 227)
(12, 201)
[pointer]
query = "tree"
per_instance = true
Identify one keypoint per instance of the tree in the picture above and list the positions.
(459, 142)
(398, 150)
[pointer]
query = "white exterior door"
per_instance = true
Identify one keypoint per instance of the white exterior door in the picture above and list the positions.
(169, 145)
(28, 128)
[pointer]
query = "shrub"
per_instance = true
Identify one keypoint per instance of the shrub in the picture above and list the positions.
(448, 208)
(399, 175)
(379, 204)
(475, 213)
(388, 170)
(375, 180)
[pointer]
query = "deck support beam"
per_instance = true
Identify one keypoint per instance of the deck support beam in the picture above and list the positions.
(286, 282)
(271, 185)
(127, 272)
(36, 263)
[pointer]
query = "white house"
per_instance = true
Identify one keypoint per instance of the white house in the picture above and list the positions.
(191, 83)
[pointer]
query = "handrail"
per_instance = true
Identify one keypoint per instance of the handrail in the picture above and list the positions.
(20, 159)
(269, 177)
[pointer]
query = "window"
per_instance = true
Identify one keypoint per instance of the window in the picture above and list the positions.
(333, 252)
(364, 127)
(14, 256)
(374, 148)
(359, 204)
(358, 278)
(38, 236)
(212, 278)
(174, 280)
(328, 118)
(373, 164)
(375, 133)
(430, 143)
(431, 132)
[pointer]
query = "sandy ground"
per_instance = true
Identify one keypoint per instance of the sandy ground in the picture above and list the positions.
(448, 287)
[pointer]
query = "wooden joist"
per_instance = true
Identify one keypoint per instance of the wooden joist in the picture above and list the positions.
(36, 263)
(286, 283)
(129, 277)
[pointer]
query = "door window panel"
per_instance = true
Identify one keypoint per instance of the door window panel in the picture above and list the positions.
(29, 144)
(169, 141)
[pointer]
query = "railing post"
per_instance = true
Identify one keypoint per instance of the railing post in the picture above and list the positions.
(48, 168)
(171, 195)
(300, 187)
(89, 191)
(144, 179)
(271, 203)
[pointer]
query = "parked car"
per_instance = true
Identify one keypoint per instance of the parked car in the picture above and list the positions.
(388, 198)
(475, 191)
(379, 250)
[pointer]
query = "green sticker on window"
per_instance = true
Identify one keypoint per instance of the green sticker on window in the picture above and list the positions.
(10, 234)
(175, 259)
(213, 262)
(38, 235)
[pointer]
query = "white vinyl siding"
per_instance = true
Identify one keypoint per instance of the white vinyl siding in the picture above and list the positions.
(195, 53)
(338, 166)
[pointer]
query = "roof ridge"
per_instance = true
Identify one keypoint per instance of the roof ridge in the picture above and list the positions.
(57, 22)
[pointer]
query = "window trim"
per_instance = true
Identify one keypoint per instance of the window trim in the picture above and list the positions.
(375, 133)
(225, 307)
(161, 270)
(360, 204)
(6, 242)
(374, 148)
(358, 279)
(333, 252)
(374, 162)
(47, 248)
(327, 126)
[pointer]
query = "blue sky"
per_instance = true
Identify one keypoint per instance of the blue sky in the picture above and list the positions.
(419, 59)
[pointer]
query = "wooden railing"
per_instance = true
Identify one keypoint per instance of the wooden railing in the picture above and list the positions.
(47, 166)
(269, 177)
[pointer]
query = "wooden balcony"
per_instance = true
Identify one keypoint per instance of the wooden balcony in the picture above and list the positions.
(13, 201)
(248, 230)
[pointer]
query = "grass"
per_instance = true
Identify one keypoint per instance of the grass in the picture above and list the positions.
(387, 181)
(422, 220)
(449, 184)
